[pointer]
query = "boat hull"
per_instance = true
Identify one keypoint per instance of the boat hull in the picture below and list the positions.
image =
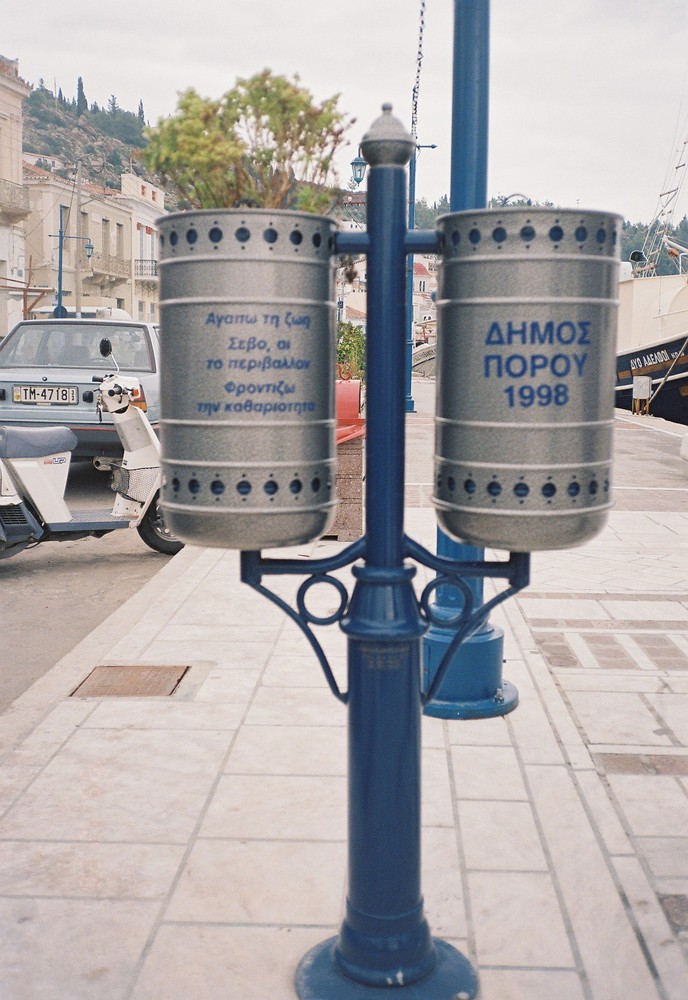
(655, 360)
(652, 341)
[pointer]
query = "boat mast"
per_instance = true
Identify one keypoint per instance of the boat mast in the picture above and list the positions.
(645, 261)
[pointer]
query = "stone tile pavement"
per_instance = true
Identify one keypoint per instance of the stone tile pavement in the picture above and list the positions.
(193, 845)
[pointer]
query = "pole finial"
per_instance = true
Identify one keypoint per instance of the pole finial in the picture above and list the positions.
(387, 143)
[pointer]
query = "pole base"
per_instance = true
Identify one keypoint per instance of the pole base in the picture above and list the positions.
(473, 687)
(319, 977)
(504, 701)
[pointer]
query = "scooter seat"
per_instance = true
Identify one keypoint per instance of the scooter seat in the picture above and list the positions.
(35, 442)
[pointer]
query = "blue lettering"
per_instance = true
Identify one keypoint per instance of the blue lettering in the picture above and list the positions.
(566, 332)
(491, 359)
(584, 327)
(516, 333)
(494, 335)
(560, 365)
(542, 336)
(516, 365)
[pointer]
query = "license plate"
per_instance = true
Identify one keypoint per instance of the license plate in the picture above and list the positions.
(57, 395)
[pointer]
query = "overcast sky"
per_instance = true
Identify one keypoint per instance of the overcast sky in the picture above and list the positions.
(588, 98)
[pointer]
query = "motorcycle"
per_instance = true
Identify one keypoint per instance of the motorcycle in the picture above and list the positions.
(34, 465)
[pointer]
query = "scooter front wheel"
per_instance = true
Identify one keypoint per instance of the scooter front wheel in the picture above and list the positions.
(154, 533)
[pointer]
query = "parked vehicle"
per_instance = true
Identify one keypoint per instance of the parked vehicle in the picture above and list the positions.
(49, 369)
(34, 464)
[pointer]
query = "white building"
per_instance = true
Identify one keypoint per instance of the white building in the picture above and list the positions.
(351, 296)
(36, 205)
(14, 200)
(109, 244)
(146, 203)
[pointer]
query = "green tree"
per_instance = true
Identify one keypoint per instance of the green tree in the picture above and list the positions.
(351, 344)
(426, 215)
(264, 143)
(632, 238)
(81, 102)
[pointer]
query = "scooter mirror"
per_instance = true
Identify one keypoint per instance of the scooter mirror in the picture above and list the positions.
(105, 347)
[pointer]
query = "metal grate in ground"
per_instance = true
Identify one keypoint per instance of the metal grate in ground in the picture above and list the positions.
(131, 681)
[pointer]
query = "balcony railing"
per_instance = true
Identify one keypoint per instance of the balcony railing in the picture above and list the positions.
(107, 265)
(145, 268)
(14, 200)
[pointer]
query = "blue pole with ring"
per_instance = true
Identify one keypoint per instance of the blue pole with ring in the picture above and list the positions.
(385, 940)
(473, 686)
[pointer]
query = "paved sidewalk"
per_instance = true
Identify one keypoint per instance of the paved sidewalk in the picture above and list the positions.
(192, 846)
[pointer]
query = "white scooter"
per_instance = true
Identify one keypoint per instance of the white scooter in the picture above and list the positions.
(34, 464)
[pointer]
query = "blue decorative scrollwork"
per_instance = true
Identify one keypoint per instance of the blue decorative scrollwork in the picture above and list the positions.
(467, 620)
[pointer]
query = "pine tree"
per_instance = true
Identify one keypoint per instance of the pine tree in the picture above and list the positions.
(81, 102)
(142, 117)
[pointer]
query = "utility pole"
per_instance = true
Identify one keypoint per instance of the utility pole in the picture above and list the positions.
(77, 269)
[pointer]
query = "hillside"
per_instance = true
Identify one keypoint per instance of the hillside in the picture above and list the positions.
(107, 141)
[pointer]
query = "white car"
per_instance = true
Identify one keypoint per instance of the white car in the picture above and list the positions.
(48, 371)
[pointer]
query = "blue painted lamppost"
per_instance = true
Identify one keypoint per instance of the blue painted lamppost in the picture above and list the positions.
(527, 500)
(384, 944)
(385, 940)
(60, 236)
(473, 687)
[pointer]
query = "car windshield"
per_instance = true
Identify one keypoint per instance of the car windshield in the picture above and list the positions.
(77, 345)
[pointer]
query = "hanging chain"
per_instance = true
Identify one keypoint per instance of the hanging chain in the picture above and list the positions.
(419, 60)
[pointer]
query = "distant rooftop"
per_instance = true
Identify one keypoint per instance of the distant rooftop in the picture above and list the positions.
(10, 69)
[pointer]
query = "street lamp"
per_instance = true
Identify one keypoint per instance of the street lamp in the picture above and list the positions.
(60, 312)
(358, 168)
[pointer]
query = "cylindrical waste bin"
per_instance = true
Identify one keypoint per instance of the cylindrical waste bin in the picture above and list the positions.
(526, 320)
(247, 318)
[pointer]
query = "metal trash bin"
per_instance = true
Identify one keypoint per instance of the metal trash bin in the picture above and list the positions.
(526, 321)
(247, 318)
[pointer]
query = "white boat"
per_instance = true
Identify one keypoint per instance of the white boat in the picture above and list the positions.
(652, 341)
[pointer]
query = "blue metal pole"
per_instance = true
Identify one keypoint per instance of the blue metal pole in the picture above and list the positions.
(470, 96)
(410, 405)
(473, 687)
(384, 940)
(384, 931)
(60, 245)
(468, 190)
